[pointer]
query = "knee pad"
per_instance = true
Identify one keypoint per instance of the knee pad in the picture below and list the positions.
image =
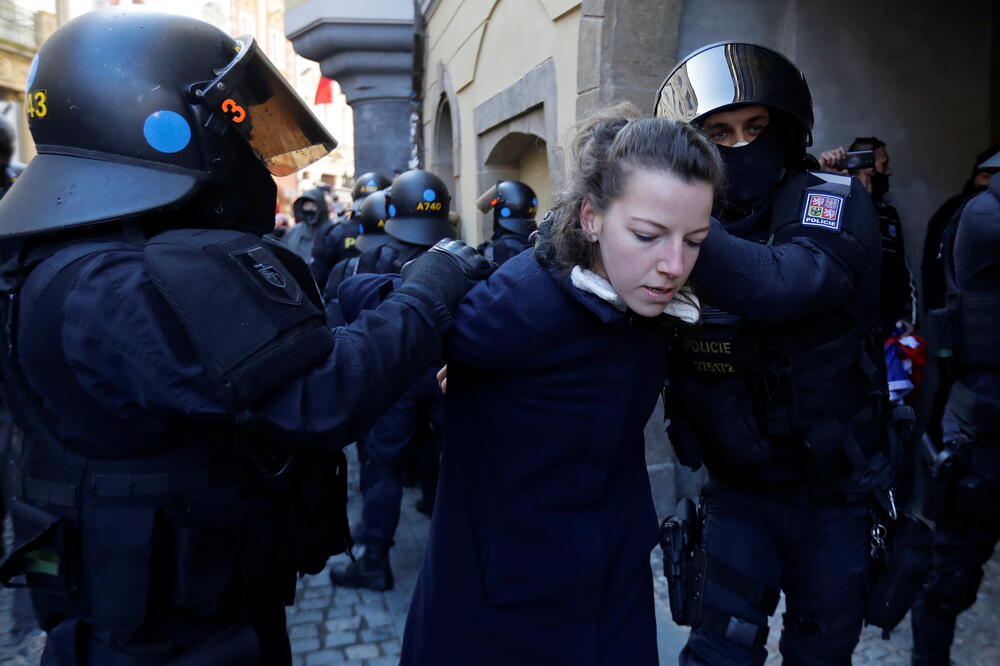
(953, 589)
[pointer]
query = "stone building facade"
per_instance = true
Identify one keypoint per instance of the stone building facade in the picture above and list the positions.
(21, 32)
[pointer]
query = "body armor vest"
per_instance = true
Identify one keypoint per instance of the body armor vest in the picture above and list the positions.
(387, 258)
(141, 543)
(967, 327)
(806, 395)
(505, 246)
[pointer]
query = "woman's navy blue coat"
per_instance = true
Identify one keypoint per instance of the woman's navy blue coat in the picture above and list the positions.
(539, 546)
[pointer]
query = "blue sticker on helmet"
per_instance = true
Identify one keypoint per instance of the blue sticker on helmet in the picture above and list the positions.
(392, 210)
(534, 201)
(505, 212)
(31, 73)
(430, 195)
(167, 131)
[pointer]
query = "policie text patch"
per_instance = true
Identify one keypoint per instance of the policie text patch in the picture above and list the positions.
(823, 210)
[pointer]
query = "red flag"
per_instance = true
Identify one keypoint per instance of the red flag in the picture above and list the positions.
(324, 91)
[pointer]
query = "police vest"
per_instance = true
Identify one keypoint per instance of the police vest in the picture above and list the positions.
(387, 258)
(503, 247)
(224, 518)
(803, 394)
(966, 329)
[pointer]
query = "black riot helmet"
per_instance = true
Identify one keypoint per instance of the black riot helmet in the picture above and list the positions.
(514, 206)
(371, 222)
(365, 184)
(135, 111)
(728, 75)
(418, 204)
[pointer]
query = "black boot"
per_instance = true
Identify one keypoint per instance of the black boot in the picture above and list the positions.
(370, 571)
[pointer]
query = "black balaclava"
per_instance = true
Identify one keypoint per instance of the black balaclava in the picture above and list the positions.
(319, 214)
(880, 185)
(752, 173)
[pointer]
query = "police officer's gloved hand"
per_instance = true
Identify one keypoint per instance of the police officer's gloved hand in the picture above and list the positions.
(447, 271)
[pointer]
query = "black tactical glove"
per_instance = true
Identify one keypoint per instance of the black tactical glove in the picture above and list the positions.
(447, 271)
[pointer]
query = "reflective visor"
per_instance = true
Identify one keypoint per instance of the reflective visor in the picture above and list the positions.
(729, 73)
(255, 99)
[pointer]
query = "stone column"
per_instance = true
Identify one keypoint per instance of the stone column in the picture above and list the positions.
(372, 60)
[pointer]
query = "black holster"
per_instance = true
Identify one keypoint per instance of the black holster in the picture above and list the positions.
(956, 495)
(680, 536)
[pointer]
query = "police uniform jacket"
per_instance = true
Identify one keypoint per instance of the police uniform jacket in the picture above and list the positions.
(169, 418)
(540, 539)
(975, 256)
(780, 384)
(898, 300)
(504, 245)
(334, 244)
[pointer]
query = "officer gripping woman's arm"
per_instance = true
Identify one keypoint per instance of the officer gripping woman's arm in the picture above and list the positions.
(799, 273)
(166, 362)
(779, 389)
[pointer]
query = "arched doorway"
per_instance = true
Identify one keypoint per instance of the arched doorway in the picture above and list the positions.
(444, 153)
(524, 157)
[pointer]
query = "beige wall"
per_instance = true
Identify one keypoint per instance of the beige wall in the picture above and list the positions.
(475, 50)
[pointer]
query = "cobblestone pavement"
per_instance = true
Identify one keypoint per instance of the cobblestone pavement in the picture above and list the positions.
(364, 628)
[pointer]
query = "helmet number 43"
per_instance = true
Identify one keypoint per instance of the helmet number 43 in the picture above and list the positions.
(37, 103)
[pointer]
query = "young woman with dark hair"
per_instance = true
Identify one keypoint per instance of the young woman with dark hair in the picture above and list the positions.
(540, 541)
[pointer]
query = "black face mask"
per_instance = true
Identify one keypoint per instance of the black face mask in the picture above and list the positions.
(752, 172)
(880, 185)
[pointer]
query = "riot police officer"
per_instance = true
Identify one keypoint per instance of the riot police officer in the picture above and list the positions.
(371, 218)
(965, 485)
(780, 388)
(514, 206)
(312, 221)
(182, 399)
(416, 207)
(418, 204)
(337, 242)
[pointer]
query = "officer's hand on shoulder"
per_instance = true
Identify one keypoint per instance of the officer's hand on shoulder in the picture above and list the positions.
(448, 270)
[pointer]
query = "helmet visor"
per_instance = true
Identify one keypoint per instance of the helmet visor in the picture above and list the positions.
(255, 100)
(726, 74)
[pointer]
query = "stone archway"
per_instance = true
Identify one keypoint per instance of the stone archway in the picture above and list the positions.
(524, 157)
(443, 162)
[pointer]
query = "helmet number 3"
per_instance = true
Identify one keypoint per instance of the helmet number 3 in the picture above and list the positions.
(235, 112)
(37, 103)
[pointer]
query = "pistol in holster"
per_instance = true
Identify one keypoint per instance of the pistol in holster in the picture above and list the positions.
(958, 496)
(680, 537)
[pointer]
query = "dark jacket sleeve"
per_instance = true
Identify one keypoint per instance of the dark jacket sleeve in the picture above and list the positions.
(898, 298)
(124, 355)
(322, 255)
(505, 322)
(804, 271)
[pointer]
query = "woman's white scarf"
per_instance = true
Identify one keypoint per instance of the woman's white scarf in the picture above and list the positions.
(687, 309)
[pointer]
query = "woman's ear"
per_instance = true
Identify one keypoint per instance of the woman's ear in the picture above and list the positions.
(590, 221)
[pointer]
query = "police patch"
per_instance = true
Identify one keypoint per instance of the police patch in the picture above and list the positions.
(823, 210)
(269, 274)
